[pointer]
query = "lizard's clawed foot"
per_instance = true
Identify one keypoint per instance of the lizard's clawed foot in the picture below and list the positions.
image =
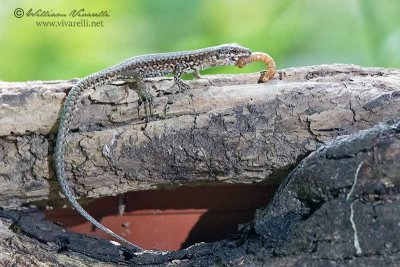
(146, 99)
(182, 86)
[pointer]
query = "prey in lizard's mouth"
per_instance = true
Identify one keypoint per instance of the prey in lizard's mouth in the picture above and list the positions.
(236, 57)
(242, 61)
(229, 54)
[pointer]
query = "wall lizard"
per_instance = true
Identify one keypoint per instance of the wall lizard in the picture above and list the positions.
(135, 70)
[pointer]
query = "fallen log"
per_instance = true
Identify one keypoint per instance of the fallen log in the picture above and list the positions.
(339, 206)
(226, 129)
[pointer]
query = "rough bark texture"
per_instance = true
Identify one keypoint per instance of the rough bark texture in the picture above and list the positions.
(227, 129)
(339, 206)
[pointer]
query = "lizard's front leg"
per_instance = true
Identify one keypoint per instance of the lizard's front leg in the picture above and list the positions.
(145, 97)
(178, 79)
(196, 74)
(138, 85)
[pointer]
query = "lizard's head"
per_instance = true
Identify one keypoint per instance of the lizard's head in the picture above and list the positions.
(229, 54)
(232, 52)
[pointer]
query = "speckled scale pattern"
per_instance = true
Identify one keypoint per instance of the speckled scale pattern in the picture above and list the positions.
(140, 67)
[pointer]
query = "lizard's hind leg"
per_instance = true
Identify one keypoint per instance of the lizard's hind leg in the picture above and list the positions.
(182, 86)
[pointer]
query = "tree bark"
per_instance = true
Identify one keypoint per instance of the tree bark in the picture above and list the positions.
(338, 206)
(226, 129)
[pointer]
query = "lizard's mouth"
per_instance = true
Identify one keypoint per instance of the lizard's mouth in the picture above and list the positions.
(237, 60)
(242, 61)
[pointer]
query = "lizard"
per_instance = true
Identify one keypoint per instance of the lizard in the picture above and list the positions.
(134, 71)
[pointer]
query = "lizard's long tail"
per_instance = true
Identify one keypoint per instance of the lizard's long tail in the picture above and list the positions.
(65, 121)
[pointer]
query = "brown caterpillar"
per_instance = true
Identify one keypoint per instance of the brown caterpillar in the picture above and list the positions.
(263, 57)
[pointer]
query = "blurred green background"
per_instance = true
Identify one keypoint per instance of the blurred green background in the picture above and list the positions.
(295, 33)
